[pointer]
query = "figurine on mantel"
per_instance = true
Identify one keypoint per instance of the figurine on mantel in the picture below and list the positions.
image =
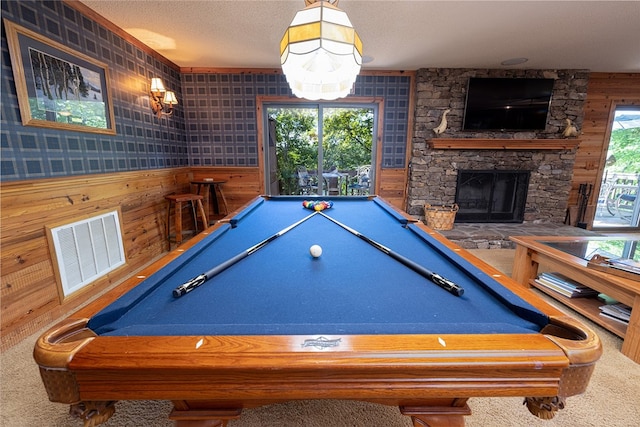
(570, 129)
(443, 123)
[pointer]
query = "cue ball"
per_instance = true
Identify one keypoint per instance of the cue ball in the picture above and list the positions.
(315, 251)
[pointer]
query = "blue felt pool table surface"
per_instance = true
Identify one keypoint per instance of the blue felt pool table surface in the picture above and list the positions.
(352, 288)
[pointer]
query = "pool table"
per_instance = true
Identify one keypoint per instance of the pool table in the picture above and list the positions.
(279, 324)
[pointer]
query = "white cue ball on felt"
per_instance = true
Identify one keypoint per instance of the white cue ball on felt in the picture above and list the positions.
(315, 251)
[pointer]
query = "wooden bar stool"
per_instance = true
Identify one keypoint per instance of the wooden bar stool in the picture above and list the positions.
(177, 200)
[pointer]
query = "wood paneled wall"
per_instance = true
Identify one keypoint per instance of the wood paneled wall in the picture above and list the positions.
(29, 293)
(241, 186)
(392, 185)
(605, 92)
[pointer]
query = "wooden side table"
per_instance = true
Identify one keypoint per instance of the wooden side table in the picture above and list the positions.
(535, 254)
(215, 188)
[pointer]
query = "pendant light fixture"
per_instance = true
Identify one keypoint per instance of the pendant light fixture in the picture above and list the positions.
(320, 52)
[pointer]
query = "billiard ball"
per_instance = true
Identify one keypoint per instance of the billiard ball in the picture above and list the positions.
(315, 251)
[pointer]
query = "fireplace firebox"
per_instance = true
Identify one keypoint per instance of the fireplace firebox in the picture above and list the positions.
(491, 195)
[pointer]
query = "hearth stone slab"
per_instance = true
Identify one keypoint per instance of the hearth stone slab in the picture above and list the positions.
(496, 235)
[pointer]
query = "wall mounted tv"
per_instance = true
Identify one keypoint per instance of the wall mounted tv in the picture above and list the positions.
(507, 104)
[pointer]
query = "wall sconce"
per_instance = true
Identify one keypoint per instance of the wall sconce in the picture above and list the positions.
(320, 52)
(162, 100)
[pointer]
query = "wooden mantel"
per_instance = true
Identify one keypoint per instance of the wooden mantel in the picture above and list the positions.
(503, 144)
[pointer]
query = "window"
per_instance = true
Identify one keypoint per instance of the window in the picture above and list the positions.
(337, 140)
(618, 202)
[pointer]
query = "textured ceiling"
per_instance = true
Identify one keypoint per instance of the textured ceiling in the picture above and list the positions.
(602, 36)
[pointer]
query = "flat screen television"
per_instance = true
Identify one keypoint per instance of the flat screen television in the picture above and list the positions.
(507, 104)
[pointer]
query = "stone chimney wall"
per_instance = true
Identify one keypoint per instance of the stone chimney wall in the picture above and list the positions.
(433, 172)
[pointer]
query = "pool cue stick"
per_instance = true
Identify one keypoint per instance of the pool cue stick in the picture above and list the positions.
(190, 285)
(444, 283)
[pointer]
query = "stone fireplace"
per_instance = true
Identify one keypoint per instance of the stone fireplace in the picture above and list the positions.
(436, 165)
(491, 195)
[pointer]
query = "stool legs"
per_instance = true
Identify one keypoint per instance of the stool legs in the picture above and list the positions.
(178, 214)
(177, 221)
(203, 214)
(195, 202)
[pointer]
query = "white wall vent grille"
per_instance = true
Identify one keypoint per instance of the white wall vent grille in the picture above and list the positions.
(86, 250)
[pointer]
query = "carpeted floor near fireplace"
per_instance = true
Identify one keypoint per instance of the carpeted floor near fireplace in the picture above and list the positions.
(611, 400)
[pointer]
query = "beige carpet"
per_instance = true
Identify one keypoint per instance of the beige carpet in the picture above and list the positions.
(612, 400)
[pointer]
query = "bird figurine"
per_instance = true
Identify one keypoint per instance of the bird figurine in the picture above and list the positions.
(570, 129)
(443, 123)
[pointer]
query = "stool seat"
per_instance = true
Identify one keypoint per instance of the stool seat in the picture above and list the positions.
(177, 200)
(187, 197)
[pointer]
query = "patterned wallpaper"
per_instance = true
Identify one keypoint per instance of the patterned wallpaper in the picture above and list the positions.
(141, 141)
(214, 124)
(220, 111)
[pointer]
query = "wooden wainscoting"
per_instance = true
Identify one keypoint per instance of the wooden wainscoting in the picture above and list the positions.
(241, 184)
(29, 291)
(392, 185)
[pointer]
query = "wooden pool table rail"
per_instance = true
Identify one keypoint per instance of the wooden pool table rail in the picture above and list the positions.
(235, 372)
(430, 376)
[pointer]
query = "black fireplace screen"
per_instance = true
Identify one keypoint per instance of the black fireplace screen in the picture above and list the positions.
(491, 195)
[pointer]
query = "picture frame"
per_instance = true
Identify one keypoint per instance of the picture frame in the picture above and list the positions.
(76, 96)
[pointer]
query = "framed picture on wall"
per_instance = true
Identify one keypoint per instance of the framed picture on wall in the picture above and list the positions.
(58, 87)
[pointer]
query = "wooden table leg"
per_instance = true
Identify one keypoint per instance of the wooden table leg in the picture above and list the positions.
(178, 217)
(206, 195)
(524, 267)
(203, 417)
(438, 416)
(631, 343)
(224, 200)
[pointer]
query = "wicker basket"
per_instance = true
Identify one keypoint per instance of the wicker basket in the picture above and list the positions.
(440, 217)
